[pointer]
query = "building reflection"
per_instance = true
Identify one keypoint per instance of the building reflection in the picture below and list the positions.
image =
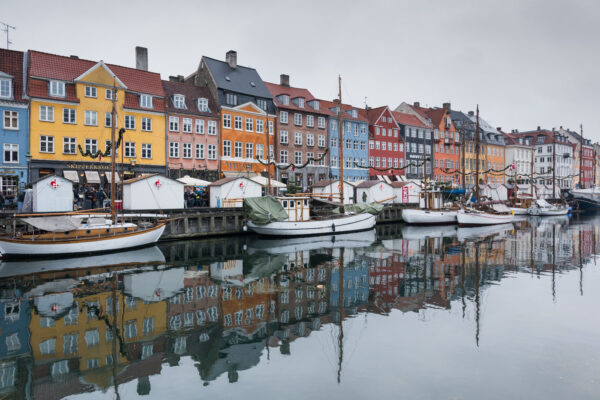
(227, 304)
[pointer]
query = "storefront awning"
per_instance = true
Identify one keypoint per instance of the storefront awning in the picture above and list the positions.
(92, 177)
(235, 174)
(109, 177)
(71, 175)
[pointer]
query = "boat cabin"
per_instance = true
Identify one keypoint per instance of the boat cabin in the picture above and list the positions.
(431, 200)
(297, 208)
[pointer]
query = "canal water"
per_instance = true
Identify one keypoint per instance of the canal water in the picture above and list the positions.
(505, 312)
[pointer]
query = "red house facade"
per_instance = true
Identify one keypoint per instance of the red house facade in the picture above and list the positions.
(587, 172)
(386, 147)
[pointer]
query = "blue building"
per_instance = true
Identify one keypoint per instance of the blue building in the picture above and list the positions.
(355, 142)
(356, 283)
(14, 129)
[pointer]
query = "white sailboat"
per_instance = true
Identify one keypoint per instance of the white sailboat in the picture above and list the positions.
(545, 209)
(432, 214)
(293, 213)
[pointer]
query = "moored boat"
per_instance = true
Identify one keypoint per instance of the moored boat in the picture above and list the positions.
(545, 209)
(472, 217)
(432, 213)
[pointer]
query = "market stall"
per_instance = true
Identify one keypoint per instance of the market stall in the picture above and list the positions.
(375, 191)
(330, 190)
(152, 192)
(52, 193)
(231, 192)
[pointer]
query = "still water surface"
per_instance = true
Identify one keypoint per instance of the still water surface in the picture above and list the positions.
(508, 312)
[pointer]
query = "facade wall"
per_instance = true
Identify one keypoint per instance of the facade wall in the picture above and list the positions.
(417, 140)
(386, 147)
(355, 138)
(13, 174)
(495, 160)
(520, 157)
(446, 152)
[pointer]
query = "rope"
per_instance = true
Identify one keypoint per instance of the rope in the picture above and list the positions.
(292, 165)
(108, 150)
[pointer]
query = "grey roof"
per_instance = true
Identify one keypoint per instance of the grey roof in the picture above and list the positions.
(240, 78)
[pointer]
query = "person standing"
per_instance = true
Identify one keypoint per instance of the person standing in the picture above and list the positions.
(101, 197)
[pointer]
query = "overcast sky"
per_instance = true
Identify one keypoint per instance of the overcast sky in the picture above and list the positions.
(526, 62)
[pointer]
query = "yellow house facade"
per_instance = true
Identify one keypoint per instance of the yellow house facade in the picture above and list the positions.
(71, 119)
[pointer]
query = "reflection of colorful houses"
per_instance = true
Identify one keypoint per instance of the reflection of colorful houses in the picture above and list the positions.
(356, 284)
(15, 315)
(386, 270)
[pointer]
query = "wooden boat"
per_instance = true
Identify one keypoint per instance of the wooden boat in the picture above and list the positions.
(433, 212)
(478, 217)
(545, 209)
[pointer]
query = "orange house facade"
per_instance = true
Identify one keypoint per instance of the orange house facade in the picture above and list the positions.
(446, 147)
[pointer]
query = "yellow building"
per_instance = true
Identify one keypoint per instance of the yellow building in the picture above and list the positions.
(71, 104)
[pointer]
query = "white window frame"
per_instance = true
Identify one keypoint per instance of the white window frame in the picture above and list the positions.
(91, 91)
(91, 145)
(147, 151)
(283, 137)
(283, 117)
(130, 122)
(199, 151)
(5, 88)
(91, 118)
(297, 119)
(200, 126)
(179, 101)
(147, 124)
(13, 151)
(212, 128)
(249, 124)
(46, 113)
(57, 89)
(203, 104)
(227, 121)
(71, 142)
(186, 150)
(173, 149)
(146, 101)
(212, 152)
(11, 116)
(69, 116)
(49, 141)
(129, 146)
(186, 125)
(173, 124)
(321, 122)
(298, 138)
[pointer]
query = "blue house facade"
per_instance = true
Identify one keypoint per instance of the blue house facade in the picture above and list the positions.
(14, 128)
(355, 142)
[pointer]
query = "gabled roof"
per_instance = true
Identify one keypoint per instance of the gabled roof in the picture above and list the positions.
(329, 105)
(223, 181)
(293, 93)
(239, 79)
(52, 66)
(435, 114)
(373, 114)
(192, 93)
(407, 119)
(11, 63)
(371, 183)
(328, 182)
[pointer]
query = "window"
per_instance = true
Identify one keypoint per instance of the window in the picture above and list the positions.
(259, 151)
(298, 138)
(237, 149)
(377, 145)
(260, 124)
(203, 104)
(69, 145)
(46, 144)
(262, 104)
(310, 139)
(283, 117)
(146, 150)
(108, 94)
(310, 157)
(146, 124)
(57, 89)
(91, 118)
(187, 150)
(283, 137)
(11, 153)
(186, 125)
(300, 102)
(249, 124)
(200, 151)
(11, 119)
(383, 145)
(285, 99)
(70, 344)
(371, 145)
(130, 329)
(334, 161)
(174, 149)
(363, 145)
(231, 99)
(5, 88)
(108, 119)
(227, 121)
(130, 149)
(200, 126)
(237, 123)
(92, 337)
(90, 91)
(91, 145)
(48, 346)
(333, 142)
(356, 145)
(298, 119)
(212, 127)
(174, 124)
(145, 101)
(249, 150)
(226, 148)
(310, 120)
(179, 101)
(321, 141)
(283, 156)
(68, 115)
(297, 157)
(321, 122)
(47, 113)
(212, 151)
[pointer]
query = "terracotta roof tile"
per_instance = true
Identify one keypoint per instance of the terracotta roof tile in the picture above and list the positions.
(332, 104)
(39, 89)
(11, 63)
(407, 119)
(294, 93)
(132, 101)
(192, 93)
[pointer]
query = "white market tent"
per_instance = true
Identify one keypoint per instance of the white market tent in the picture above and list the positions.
(406, 192)
(154, 286)
(52, 194)
(264, 182)
(231, 192)
(189, 181)
(375, 191)
(152, 192)
(332, 188)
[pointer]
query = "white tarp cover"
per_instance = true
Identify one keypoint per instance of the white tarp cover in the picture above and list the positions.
(542, 203)
(263, 181)
(189, 181)
(60, 223)
(500, 208)
(92, 177)
(71, 175)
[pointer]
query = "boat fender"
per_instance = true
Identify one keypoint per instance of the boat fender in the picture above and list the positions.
(333, 239)
(333, 227)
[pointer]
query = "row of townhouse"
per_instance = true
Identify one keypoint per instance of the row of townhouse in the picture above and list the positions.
(224, 120)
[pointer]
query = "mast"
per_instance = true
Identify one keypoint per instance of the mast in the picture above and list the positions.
(268, 149)
(114, 332)
(581, 185)
(553, 164)
(113, 153)
(477, 299)
(341, 306)
(531, 184)
(341, 140)
(477, 157)
(463, 157)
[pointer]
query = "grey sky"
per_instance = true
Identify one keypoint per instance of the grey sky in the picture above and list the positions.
(526, 62)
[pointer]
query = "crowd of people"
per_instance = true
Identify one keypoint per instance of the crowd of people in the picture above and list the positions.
(88, 198)
(195, 197)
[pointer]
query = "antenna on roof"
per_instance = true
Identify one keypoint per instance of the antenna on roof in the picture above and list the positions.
(366, 103)
(6, 28)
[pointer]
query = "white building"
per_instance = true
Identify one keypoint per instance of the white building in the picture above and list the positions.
(330, 190)
(152, 192)
(518, 154)
(231, 192)
(374, 191)
(52, 194)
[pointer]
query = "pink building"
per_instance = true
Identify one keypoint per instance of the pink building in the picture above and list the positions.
(192, 130)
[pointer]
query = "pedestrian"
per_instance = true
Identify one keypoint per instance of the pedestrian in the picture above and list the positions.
(2, 200)
(186, 198)
(101, 197)
(88, 198)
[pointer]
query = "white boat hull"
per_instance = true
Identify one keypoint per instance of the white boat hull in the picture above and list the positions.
(519, 211)
(350, 223)
(427, 217)
(23, 248)
(549, 212)
(466, 218)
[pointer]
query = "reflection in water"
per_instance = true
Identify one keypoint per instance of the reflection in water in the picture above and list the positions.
(91, 324)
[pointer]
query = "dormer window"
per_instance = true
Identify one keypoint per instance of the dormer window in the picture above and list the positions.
(262, 104)
(354, 113)
(231, 99)
(285, 99)
(5, 88)
(179, 101)
(315, 104)
(203, 104)
(300, 102)
(57, 89)
(145, 101)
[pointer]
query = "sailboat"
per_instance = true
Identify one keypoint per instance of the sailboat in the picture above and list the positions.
(483, 214)
(290, 216)
(432, 214)
(63, 234)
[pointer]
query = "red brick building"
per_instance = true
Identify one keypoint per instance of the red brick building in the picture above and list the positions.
(386, 147)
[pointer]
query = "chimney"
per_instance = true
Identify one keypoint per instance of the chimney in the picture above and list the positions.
(499, 129)
(284, 80)
(446, 106)
(231, 58)
(141, 58)
(539, 128)
(417, 104)
(561, 127)
(74, 57)
(178, 78)
(471, 113)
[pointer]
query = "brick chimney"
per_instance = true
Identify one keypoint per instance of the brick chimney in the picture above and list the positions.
(284, 80)
(417, 104)
(539, 128)
(446, 106)
(178, 78)
(471, 113)
(231, 58)
(141, 58)
(499, 129)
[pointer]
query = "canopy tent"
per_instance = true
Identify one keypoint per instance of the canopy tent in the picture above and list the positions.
(189, 181)
(264, 181)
